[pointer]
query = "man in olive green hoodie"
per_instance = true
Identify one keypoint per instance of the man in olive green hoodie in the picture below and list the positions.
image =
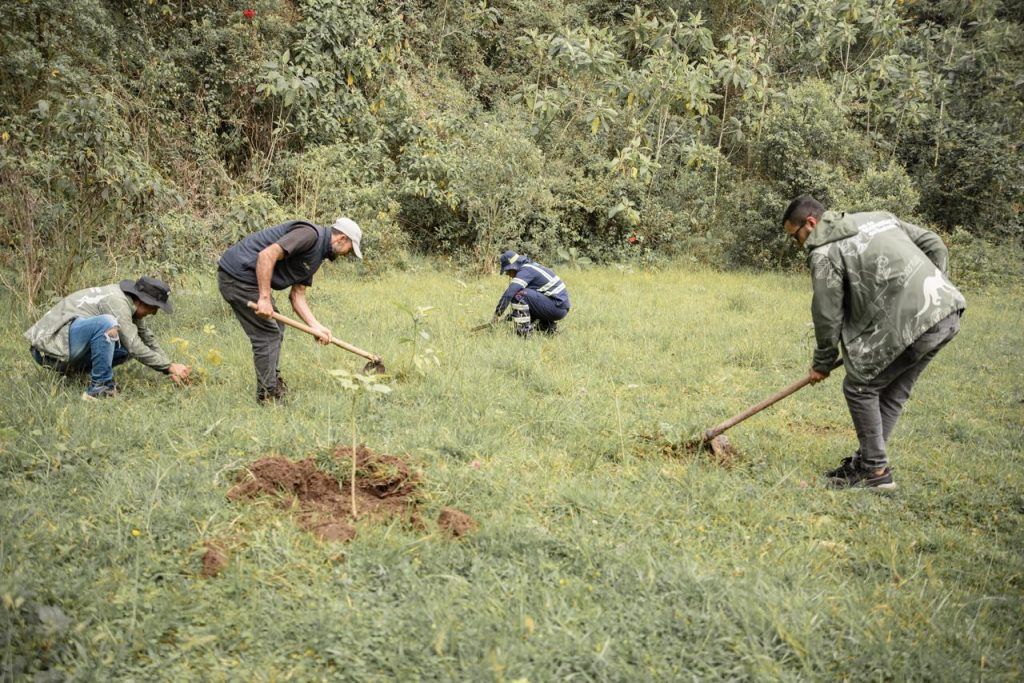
(881, 290)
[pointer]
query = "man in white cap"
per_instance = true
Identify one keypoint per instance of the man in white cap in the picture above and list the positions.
(284, 256)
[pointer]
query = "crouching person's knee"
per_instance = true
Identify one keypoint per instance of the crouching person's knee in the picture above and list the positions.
(108, 324)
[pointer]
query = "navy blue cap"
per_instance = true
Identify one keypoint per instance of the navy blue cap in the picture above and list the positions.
(510, 260)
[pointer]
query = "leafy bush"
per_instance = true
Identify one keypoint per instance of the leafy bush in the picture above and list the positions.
(807, 144)
(978, 181)
(977, 262)
(343, 179)
(500, 184)
(242, 214)
(756, 237)
(882, 189)
(71, 185)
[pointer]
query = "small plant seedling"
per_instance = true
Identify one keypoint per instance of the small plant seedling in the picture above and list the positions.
(422, 358)
(358, 386)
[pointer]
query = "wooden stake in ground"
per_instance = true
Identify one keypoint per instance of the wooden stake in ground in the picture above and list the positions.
(352, 490)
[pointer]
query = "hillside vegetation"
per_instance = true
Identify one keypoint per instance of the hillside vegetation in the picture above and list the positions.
(158, 132)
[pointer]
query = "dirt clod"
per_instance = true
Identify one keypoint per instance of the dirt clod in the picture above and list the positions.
(385, 489)
(456, 523)
(334, 531)
(382, 475)
(215, 559)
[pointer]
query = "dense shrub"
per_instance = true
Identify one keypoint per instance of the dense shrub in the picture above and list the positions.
(978, 262)
(978, 182)
(240, 214)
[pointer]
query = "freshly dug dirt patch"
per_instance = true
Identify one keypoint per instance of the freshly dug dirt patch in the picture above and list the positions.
(724, 456)
(456, 523)
(721, 452)
(385, 489)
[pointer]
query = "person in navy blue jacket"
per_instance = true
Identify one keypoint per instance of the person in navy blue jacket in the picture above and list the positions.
(538, 297)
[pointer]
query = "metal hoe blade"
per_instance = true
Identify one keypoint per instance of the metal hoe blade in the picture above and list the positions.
(374, 367)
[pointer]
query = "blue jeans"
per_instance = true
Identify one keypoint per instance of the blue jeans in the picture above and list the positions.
(93, 350)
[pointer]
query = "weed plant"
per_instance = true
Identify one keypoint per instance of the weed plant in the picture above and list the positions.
(605, 552)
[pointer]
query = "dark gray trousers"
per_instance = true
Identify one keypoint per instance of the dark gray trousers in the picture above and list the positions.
(876, 406)
(266, 336)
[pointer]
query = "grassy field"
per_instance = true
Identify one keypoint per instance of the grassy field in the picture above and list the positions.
(602, 553)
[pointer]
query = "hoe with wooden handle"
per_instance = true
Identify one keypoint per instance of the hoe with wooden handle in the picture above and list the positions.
(376, 364)
(714, 439)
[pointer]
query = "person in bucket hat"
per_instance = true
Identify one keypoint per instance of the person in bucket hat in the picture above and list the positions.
(95, 329)
(285, 256)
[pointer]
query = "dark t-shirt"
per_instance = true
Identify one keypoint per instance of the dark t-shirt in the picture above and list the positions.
(297, 240)
(305, 250)
(301, 238)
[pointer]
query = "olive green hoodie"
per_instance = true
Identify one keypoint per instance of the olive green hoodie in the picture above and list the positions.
(879, 283)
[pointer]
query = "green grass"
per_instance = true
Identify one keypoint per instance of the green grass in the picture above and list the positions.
(599, 557)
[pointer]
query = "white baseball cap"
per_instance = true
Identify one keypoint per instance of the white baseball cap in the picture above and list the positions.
(351, 229)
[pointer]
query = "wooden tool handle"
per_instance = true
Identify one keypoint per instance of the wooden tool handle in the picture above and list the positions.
(753, 410)
(309, 330)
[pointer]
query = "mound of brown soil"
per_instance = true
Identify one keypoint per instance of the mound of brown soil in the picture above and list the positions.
(214, 560)
(383, 475)
(385, 488)
(456, 523)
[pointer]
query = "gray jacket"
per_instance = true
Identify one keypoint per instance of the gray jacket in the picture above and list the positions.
(51, 335)
(879, 283)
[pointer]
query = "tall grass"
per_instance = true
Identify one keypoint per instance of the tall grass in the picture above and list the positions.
(602, 554)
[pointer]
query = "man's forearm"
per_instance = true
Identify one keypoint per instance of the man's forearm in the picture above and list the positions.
(301, 307)
(264, 273)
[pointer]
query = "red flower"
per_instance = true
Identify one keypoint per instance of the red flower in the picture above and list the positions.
(249, 13)
(632, 239)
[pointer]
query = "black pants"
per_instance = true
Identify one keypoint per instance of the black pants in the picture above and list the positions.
(266, 336)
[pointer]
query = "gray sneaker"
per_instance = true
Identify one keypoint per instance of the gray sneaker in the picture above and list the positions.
(98, 393)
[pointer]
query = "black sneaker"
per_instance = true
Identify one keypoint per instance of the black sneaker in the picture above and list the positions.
(864, 479)
(846, 468)
(271, 395)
